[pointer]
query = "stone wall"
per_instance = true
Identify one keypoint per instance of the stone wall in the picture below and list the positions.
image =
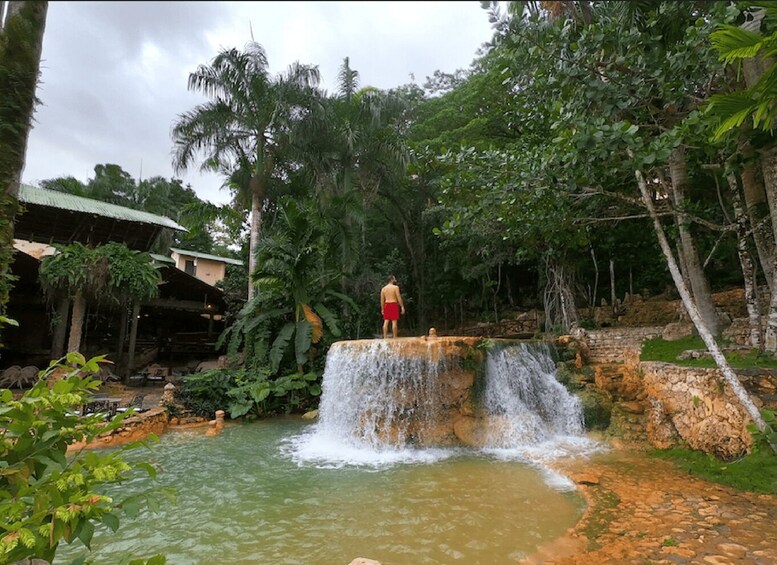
(696, 406)
(135, 428)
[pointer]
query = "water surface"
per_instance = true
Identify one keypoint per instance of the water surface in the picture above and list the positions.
(244, 498)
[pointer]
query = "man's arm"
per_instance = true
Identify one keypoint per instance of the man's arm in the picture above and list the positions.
(401, 302)
(382, 298)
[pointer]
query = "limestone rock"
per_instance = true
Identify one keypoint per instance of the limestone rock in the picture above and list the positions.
(312, 415)
(677, 330)
(364, 561)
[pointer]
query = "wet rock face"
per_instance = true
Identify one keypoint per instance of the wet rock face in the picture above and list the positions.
(694, 405)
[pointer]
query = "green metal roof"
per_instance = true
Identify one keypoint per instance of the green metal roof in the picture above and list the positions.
(199, 255)
(64, 201)
(162, 258)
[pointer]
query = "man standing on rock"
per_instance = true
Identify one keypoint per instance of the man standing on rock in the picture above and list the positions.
(390, 304)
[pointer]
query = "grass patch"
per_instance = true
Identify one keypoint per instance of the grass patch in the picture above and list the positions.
(670, 542)
(667, 351)
(756, 472)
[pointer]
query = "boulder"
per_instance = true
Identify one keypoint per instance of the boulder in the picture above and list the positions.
(677, 330)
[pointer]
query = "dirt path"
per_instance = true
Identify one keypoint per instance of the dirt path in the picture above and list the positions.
(643, 510)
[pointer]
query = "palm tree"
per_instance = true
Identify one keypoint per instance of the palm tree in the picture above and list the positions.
(245, 126)
(351, 148)
(294, 285)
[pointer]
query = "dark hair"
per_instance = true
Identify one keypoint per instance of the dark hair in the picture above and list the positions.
(392, 279)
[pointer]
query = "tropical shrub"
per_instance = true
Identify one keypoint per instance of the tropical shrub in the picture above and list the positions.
(46, 496)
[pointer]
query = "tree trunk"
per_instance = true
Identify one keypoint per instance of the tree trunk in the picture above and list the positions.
(21, 32)
(757, 213)
(257, 201)
(613, 296)
(769, 168)
(59, 335)
(592, 311)
(748, 268)
(132, 342)
(77, 323)
(122, 334)
(709, 340)
(701, 288)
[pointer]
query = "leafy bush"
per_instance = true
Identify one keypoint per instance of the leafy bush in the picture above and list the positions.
(46, 496)
(204, 393)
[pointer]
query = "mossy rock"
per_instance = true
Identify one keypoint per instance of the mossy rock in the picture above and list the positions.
(597, 409)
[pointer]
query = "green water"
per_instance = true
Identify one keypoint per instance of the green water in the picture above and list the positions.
(241, 500)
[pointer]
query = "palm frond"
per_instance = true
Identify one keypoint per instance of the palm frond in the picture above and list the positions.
(735, 43)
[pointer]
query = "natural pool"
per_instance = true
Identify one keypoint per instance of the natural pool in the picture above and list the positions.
(247, 497)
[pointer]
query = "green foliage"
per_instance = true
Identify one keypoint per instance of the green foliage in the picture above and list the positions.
(765, 439)
(259, 395)
(47, 496)
(758, 102)
(241, 392)
(756, 472)
(204, 393)
(657, 349)
(110, 272)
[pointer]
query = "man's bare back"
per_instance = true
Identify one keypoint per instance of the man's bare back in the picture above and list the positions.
(390, 293)
(390, 304)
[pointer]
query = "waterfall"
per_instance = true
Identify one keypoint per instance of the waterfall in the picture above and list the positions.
(525, 403)
(381, 395)
(389, 394)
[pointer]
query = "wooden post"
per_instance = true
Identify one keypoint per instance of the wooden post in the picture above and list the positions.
(133, 338)
(210, 324)
(613, 297)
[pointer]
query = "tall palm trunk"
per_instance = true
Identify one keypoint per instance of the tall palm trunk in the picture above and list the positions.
(256, 186)
(21, 42)
(747, 265)
(699, 285)
(77, 323)
(709, 340)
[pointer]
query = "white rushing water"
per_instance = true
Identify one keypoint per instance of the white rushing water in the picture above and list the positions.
(375, 402)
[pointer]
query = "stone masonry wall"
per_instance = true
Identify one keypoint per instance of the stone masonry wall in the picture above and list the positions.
(695, 406)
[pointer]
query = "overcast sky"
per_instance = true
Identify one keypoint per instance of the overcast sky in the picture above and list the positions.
(114, 74)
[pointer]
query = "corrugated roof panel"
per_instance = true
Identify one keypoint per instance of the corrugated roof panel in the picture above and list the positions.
(63, 201)
(199, 255)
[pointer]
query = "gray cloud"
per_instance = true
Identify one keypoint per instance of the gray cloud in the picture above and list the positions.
(114, 73)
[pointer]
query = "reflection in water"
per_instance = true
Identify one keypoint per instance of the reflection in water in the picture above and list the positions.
(243, 498)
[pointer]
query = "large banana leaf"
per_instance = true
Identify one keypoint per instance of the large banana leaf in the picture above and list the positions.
(280, 344)
(302, 341)
(329, 319)
(315, 322)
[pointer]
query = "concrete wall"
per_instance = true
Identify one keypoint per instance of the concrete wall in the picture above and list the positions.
(208, 270)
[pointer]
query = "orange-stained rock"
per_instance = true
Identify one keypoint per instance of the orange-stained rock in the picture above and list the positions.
(472, 432)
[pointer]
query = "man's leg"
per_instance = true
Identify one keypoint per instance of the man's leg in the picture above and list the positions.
(394, 328)
(385, 328)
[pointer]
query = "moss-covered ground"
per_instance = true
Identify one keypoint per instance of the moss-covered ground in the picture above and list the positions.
(756, 472)
(667, 351)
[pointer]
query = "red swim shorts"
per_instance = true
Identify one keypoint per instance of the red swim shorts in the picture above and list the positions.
(391, 311)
